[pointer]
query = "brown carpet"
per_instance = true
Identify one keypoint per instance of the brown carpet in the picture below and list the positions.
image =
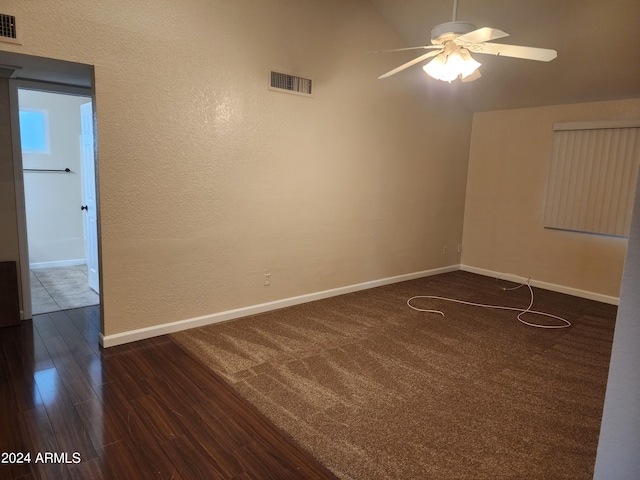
(376, 390)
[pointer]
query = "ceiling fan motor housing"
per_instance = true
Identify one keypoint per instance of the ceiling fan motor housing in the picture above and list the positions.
(450, 30)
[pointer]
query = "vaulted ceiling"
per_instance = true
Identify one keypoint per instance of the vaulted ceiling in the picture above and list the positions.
(597, 43)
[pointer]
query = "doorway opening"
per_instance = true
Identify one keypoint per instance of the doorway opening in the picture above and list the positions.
(56, 140)
(21, 71)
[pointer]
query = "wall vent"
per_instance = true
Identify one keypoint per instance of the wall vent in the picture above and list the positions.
(290, 83)
(8, 28)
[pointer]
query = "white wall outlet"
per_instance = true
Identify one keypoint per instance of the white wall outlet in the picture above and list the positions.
(444, 250)
(459, 248)
(267, 279)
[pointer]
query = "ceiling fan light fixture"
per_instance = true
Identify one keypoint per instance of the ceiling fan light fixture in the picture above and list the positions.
(447, 67)
(450, 45)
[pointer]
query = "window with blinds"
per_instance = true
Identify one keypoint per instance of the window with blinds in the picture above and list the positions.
(592, 178)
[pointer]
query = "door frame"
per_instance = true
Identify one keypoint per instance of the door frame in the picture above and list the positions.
(14, 86)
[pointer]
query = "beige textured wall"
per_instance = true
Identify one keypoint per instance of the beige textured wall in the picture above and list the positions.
(506, 188)
(208, 179)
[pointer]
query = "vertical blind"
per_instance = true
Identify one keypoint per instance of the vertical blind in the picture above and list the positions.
(592, 177)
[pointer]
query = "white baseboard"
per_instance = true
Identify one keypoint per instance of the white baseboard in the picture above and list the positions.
(57, 263)
(549, 286)
(166, 328)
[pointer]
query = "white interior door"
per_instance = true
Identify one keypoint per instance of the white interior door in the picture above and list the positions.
(89, 196)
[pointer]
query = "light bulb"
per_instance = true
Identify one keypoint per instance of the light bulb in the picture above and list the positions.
(469, 65)
(447, 67)
(437, 68)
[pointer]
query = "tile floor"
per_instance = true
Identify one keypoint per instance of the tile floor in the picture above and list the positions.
(61, 288)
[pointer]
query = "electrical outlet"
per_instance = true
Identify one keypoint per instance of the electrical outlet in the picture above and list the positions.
(444, 250)
(459, 248)
(267, 279)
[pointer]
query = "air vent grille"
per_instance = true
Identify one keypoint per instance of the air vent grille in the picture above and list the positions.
(290, 83)
(8, 29)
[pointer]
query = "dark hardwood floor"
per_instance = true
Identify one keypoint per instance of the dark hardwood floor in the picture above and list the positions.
(142, 410)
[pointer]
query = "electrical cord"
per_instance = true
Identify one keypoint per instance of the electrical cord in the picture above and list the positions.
(565, 322)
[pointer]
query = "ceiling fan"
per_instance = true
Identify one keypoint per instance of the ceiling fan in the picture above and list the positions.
(452, 45)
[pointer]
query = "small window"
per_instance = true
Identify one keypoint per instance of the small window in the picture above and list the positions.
(34, 131)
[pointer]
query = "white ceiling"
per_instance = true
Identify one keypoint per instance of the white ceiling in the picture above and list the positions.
(598, 45)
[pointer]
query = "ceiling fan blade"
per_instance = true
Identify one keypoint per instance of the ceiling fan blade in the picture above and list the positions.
(425, 47)
(484, 34)
(409, 64)
(470, 78)
(517, 51)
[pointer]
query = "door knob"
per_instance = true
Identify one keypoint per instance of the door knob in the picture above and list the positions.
(84, 207)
